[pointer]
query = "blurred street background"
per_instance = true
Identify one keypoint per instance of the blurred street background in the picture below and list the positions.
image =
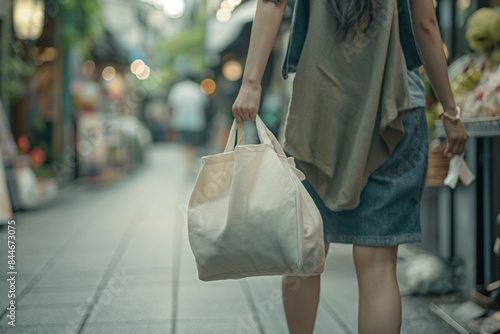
(107, 106)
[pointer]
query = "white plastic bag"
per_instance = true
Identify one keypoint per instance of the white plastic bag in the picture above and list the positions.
(250, 215)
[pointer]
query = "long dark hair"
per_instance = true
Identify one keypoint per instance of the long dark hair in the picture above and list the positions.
(352, 15)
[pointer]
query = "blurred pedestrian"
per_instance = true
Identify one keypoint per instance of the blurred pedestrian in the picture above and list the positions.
(356, 126)
(187, 106)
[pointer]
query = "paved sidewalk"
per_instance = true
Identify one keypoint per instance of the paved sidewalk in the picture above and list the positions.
(116, 259)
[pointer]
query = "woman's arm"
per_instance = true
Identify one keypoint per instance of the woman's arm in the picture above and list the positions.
(264, 30)
(429, 40)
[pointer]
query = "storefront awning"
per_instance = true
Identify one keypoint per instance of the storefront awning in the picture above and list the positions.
(223, 35)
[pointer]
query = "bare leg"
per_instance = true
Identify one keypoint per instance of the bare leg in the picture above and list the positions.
(379, 298)
(300, 299)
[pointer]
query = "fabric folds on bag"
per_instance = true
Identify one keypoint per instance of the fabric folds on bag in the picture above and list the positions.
(250, 215)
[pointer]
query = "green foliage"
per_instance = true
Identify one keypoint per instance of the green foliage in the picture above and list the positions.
(159, 79)
(43, 172)
(18, 72)
(188, 45)
(80, 23)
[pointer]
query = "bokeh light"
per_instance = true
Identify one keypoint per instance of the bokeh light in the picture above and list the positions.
(108, 73)
(226, 5)
(233, 3)
(88, 67)
(144, 74)
(208, 86)
(23, 143)
(28, 18)
(174, 8)
(49, 54)
(223, 15)
(232, 70)
(137, 66)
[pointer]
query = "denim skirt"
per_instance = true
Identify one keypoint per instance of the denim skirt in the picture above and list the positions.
(389, 209)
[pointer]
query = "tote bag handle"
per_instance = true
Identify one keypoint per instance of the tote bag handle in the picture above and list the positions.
(261, 132)
(232, 136)
(265, 136)
(262, 128)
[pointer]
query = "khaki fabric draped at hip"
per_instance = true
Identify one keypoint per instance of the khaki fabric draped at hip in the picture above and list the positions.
(348, 101)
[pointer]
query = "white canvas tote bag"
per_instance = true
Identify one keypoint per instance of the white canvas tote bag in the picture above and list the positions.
(250, 215)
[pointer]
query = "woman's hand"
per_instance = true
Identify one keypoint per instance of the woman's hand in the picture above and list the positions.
(428, 36)
(266, 23)
(456, 136)
(246, 106)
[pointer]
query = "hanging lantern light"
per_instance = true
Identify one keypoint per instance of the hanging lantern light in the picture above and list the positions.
(174, 8)
(29, 16)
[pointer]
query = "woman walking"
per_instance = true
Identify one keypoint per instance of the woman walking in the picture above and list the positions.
(356, 127)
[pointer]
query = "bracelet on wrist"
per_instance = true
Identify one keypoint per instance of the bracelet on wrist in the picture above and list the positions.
(455, 117)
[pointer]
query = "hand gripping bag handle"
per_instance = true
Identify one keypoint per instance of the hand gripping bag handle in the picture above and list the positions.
(265, 137)
(261, 131)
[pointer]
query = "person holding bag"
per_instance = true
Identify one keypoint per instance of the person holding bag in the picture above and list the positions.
(356, 128)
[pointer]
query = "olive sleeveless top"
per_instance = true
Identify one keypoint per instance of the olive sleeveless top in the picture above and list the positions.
(347, 104)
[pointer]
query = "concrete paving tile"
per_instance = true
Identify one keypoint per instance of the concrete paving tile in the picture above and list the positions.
(108, 233)
(417, 326)
(127, 328)
(417, 307)
(22, 280)
(28, 236)
(137, 293)
(148, 275)
(37, 329)
(267, 301)
(30, 266)
(344, 303)
(69, 266)
(155, 237)
(57, 295)
(75, 261)
(44, 316)
(191, 278)
(206, 300)
(188, 272)
(72, 278)
(132, 311)
(159, 269)
(272, 331)
(133, 302)
(222, 326)
(140, 255)
(420, 326)
(157, 221)
(326, 323)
